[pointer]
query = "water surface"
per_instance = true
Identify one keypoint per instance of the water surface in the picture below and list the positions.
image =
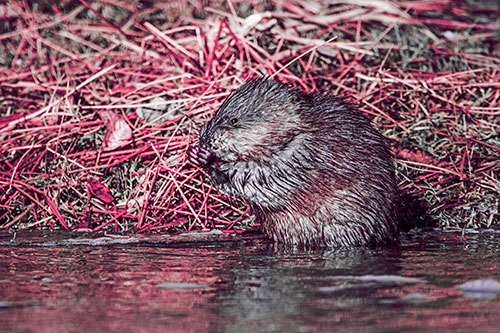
(219, 282)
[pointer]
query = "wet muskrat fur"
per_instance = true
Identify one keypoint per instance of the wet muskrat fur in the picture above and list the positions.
(312, 168)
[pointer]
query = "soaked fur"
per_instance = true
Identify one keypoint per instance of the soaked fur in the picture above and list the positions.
(314, 171)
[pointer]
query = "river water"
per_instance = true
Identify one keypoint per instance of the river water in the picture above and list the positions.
(239, 283)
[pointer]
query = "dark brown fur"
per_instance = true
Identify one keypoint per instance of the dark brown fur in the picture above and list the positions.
(313, 169)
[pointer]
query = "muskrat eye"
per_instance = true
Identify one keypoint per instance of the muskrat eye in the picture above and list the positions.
(233, 121)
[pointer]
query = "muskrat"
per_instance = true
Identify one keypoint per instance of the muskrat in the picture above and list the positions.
(312, 168)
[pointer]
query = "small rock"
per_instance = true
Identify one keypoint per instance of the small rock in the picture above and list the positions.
(485, 285)
(481, 288)
(180, 285)
(415, 297)
(380, 278)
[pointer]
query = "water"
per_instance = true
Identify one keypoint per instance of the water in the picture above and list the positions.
(216, 282)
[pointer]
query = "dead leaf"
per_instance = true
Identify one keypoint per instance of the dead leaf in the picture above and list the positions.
(118, 132)
(99, 190)
(414, 156)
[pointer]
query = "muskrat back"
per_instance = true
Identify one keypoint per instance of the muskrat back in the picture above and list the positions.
(312, 168)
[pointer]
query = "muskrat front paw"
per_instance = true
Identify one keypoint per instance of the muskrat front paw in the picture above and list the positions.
(192, 155)
(199, 156)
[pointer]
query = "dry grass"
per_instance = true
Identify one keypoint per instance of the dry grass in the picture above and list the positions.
(100, 100)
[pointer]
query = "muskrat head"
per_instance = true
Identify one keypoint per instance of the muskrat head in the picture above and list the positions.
(253, 122)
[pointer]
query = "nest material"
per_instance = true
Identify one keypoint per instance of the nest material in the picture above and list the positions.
(99, 102)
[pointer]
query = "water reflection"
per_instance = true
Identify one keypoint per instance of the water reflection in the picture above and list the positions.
(243, 284)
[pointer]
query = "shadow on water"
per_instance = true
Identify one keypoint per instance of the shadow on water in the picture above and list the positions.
(220, 282)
